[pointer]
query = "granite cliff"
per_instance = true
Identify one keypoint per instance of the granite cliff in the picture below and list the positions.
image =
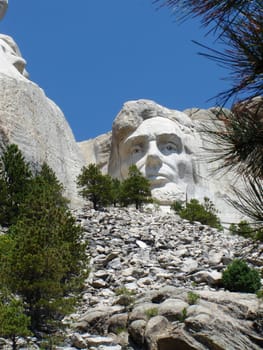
(36, 124)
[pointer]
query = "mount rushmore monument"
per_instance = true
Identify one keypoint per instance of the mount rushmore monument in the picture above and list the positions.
(168, 148)
(165, 144)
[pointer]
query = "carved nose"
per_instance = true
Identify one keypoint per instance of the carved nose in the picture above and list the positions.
(153, 156)
(153, 160)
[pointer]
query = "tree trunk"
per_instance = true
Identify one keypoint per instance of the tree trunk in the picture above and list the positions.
(14, 345)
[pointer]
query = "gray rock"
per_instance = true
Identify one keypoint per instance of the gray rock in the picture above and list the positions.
(137, 331)
(158, 280)
(173, 309)
(143, 311)
(78, 341)
(156, 326)
(212, 278)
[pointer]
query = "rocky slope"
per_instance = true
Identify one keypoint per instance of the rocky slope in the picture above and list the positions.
(155, 284)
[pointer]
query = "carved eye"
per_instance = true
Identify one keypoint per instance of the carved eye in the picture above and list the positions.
(136, 149)
(169, 147)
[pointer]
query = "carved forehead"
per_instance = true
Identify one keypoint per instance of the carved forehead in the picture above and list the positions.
(155, 127)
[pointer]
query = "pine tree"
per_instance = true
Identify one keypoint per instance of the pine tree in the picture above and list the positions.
(115, 191)
(47, 263)
(95, 186)
(13, 321)
(15, 175)
(135, 189)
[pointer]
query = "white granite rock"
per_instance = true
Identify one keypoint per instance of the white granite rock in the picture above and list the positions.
(166, 305)
(169, 149)
(31, 120)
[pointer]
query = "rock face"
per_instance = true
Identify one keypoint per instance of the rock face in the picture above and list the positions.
(155, 283)
(169, 149)
(97, 151)
(35, 123)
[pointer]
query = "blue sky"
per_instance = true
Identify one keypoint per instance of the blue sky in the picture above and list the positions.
(91, 56)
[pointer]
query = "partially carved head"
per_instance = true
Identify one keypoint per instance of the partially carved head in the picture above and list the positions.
(161, 143)
(11, 54)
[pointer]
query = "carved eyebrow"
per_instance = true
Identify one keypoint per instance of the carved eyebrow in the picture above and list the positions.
(136, 139)
(169, 136)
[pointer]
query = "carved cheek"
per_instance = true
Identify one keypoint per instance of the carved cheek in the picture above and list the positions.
(185, 169)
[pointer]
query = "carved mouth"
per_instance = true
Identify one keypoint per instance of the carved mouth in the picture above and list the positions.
(156, 176)
(157, 179)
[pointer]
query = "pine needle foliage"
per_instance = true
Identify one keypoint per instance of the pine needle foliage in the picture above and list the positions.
(95, 186)
(238, 138)
(43, 257)
(136, 189)
(249, 201)
(204, 213)
(239, 277)
(48, 262)
(13, 321)
(15, 175)
(210, 11)
(239, 27)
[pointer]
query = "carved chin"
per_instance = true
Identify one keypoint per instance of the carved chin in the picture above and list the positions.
(169, 193)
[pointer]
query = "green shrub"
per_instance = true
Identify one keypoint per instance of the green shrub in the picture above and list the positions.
(259, 235)
(177, 206)
(151, 312)
(183, 315)
(126, 296)
(124, 291)
(14, 323)
(239, 277)
(120, 330)
(192, 298)
(204, 213)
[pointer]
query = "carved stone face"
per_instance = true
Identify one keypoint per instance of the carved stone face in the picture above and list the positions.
(12, 56)
(159, 150)
(9, 51)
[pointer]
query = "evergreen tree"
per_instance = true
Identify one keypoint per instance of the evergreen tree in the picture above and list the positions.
(15, 175)
(135, 189)
(115, 191)
(47, 262)
(13, 321)
(95, 186)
